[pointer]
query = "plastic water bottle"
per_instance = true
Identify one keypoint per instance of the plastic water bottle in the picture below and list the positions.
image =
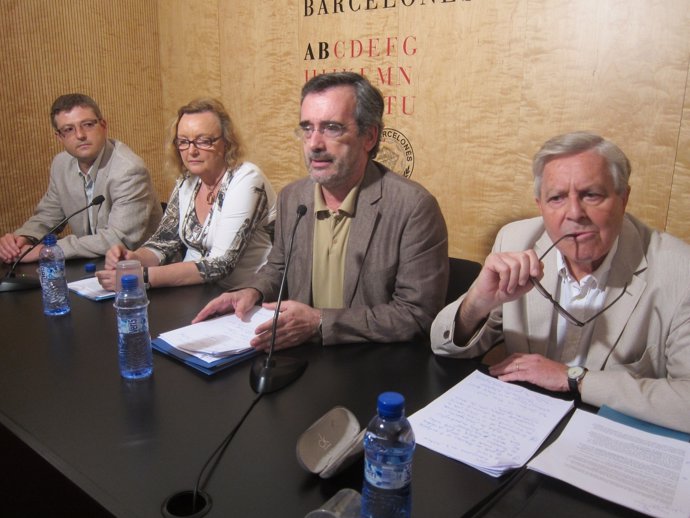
(134, 340)
(51, 268)
(388, 448)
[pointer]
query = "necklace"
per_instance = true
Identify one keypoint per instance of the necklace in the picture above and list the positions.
(211, 195)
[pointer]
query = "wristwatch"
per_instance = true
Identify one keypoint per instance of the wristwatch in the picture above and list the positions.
(145, 275)
(575, 375)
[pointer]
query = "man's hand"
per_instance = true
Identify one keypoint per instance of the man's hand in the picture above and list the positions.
(504, 277)
(11, 247)
(533, 368)
(297, 323)
(239, 302)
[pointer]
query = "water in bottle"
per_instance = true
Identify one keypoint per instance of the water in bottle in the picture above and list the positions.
(51, 268)
(388, 448)
(134, 340)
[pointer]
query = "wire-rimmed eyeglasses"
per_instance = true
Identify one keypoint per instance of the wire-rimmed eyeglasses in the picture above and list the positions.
(200, 143)
(70, 130)
(560, 309)
(327, 129)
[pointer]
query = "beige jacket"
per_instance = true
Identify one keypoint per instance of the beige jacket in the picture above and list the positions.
(129, 215)
(639, 357)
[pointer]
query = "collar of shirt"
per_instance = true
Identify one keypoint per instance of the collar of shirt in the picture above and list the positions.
(89, 177)
(595, 280)
(347, 208)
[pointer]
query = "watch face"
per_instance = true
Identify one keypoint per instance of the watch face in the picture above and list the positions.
(576, 373)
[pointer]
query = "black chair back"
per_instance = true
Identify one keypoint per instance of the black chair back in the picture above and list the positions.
(462, 274)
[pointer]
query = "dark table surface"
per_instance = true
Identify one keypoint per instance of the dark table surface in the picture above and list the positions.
(129, 445)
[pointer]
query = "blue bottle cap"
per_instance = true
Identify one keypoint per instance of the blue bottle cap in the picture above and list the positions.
(90, 267)
(50, 240)
(390, 404)
(129, 281)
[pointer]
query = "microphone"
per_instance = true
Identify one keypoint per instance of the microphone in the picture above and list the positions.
(266, 375)
(269, 374)
(12, 282)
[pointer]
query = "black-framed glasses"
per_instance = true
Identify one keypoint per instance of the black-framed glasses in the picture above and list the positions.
(560, 309)
(86, 126)
(328, 130)
(205, 143)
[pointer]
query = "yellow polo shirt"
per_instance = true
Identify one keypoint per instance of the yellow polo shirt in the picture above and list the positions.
(331, 233)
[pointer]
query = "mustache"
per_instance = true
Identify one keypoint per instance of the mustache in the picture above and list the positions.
(320, 156)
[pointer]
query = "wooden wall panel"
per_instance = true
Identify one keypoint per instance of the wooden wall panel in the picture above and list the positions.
(679, 206)
(485, 82)
(618, 68)
(190, 59)
(106, 49)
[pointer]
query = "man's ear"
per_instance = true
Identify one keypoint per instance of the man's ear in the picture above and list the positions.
(371, 137)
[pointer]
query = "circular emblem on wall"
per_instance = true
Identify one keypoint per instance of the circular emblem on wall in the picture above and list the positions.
(395, 152)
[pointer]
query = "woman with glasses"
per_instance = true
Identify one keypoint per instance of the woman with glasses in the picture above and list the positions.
(218, 224)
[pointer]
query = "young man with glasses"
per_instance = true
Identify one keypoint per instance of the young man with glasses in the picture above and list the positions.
(91, 165)
(609, 319)
(370, 258)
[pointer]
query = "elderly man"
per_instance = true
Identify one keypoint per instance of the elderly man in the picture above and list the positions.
(609, 319)
(370, 259)
(91, 165)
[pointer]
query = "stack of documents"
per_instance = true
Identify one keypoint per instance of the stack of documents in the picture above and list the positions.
(634, 468)
(488, 424)
(215, 344)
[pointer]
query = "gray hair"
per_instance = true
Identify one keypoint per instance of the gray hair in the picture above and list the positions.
(369, 100)
(578, 142)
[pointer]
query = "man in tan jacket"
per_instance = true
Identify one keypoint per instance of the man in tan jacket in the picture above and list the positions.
(585, 298)
(91, 165)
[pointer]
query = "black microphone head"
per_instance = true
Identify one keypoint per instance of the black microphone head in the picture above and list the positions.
(98, 200)
(301, 210)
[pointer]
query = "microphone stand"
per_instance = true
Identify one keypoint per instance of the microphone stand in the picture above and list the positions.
(13, 282)
(270, 374)
(266, 375)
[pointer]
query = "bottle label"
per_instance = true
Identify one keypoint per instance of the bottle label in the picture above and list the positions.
(132, 324)
(52, 272)
(387, 476)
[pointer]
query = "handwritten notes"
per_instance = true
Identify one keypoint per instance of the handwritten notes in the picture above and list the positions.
(488, 424)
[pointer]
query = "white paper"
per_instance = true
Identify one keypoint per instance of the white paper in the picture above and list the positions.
(489, 424)
(91, 289)
(630, 467)
(219, 337)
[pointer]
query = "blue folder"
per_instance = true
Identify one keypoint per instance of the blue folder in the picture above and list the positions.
(615, 415)
(207, 368)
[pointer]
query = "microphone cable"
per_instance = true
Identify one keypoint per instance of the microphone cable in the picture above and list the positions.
(97, 201)
(213, 460)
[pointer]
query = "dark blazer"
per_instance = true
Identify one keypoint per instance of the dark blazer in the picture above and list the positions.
(396, 269)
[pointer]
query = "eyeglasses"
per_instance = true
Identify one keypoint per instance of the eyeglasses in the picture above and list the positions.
(200, 143)
(560, 309)
(328, 130)
(86, 126)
